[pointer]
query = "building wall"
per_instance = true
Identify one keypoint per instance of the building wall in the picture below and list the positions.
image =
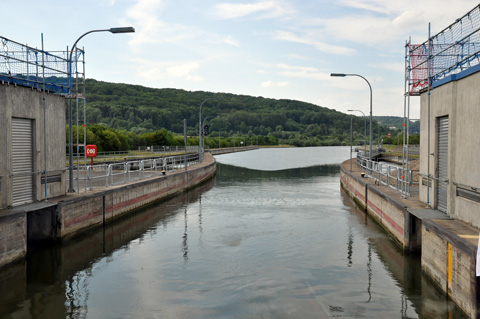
(21, 102)
(459, 99)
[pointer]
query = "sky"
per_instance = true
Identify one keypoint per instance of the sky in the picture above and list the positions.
(281, 49)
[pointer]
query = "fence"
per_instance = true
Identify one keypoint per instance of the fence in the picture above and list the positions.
(143, 152)
(105, 175)
(392, 176)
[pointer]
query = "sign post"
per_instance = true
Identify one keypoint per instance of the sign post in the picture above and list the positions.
(91, 151)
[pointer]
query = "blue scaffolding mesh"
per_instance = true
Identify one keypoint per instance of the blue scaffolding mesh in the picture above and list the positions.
(27, 66)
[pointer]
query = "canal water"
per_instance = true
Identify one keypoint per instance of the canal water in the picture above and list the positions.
(273, 236)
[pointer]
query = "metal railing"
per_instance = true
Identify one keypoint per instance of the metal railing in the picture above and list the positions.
(105, 175)
(142, 153)
(392, 176)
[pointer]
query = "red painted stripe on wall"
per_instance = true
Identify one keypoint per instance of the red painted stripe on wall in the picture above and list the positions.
(83, 218)
(386, 217)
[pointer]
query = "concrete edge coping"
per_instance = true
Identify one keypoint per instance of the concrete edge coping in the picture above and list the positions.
(458, 233)
(375, 188)
(23, 209)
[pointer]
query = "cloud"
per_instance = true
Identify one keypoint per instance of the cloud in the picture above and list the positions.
(270, 9)
(398, 67)
(382, 23)
(303, 72)
(267, 84)
(296, 56)
(144, 15)
(154, 71)
(223, 39)
(320, 46)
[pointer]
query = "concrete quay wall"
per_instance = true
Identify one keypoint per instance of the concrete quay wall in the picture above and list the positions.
(13, 237)
(450, 261)
(86, 212)
(64, 217)
(448, 246)
(390, 214)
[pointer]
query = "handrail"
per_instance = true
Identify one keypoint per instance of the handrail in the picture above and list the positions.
(392, 176)
(123, 172)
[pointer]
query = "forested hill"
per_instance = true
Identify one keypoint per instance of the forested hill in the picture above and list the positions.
(140, 110)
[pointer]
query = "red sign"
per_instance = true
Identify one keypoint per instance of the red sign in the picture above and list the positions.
(91, 150)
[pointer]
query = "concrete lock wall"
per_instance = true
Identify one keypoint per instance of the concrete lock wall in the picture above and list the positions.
(13, 237)
(26, 103)
(387, 212)
(86, 212)
(458, 97)
(450, 263)
(75, 214)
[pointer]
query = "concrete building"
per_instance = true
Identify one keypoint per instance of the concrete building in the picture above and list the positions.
(454, 151)
(23, 132)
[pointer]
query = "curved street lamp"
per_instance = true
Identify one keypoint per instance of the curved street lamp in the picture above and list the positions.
(343, 75)
(365, 130)
(70, 131)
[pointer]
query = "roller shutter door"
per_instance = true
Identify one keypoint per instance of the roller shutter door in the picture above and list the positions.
(22, 161)
(442, 164)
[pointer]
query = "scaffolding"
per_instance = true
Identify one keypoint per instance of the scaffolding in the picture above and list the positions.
(24, 65)
(453, 50)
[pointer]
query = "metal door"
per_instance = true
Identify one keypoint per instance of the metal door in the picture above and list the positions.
(442, 164)
(22, 161)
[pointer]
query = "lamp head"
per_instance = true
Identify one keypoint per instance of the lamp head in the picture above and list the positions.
(122, 30)
(338, 74)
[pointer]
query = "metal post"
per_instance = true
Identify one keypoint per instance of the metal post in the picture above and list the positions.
(185, 140)
(365, 130)
(200, 131)
(428, 120)
(44, 120)
(404, 107)
(351, 142)
(70, 130)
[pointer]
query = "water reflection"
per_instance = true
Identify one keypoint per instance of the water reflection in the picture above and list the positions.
(239, 174)
(254, 245)
(417, 290)
(185, 237)
(54, 282)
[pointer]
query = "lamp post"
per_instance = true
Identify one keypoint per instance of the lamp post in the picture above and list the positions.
(343, 75)
(70, 131)
(365, 130)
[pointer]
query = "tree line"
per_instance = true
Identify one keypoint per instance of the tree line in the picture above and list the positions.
(122, 116)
